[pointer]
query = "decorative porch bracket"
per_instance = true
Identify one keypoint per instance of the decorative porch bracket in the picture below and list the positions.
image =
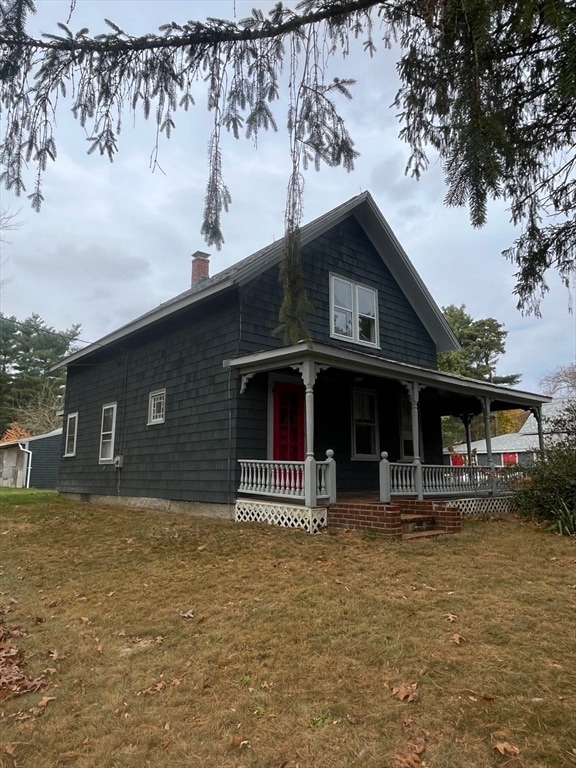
(536, 411)
(466, 419)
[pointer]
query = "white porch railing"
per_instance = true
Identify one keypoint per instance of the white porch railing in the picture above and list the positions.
(416, 479)
(309, 481)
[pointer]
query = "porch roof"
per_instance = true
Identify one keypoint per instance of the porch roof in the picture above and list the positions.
(501, 398)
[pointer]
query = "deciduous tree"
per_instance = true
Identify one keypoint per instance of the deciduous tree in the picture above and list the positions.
(561, 382)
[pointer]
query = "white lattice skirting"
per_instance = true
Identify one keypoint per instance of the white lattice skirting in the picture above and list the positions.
(492, 505)
(311, 519)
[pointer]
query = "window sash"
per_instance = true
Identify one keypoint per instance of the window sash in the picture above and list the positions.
(107, 433)
(354, 311)
(365, 442)
(157, 407)
(71, 433)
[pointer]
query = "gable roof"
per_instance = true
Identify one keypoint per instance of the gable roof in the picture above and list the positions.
(377, 230)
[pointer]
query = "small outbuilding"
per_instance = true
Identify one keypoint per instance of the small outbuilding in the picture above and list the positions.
(31, 462)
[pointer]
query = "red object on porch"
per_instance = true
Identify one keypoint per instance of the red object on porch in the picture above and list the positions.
(288, 441)
(457, 459)
(509, 459)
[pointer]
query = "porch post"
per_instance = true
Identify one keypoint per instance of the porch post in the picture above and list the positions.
(413, 389)
(486, 412)
(466, 419)
(308, 371)
(536, 410)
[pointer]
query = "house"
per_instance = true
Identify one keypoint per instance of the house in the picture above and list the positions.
(31, 462)
(200, 403)
(515, 448)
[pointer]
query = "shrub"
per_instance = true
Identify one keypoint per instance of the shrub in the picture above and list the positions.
(550, 493)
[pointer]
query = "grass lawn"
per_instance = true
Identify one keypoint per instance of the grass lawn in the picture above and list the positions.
(164, 640)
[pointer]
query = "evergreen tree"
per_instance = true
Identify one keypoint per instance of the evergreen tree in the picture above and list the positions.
(30, 394)
(489, 85)
(482, 342)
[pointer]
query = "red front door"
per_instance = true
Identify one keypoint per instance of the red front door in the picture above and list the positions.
(288, 406)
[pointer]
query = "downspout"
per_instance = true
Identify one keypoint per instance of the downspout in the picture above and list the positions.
(28, 463)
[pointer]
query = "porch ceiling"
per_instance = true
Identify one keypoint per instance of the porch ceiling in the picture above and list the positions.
(459, 392)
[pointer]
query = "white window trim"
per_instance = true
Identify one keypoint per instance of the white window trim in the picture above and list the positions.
(107, 460)
(151, 397)
(366, 456)
(68, 420)
(355, 338)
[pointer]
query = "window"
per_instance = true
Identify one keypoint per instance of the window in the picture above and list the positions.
(71, 431)
(364, 425)
(354, 311)
(107, 433)
(406, 429)
(157, 407)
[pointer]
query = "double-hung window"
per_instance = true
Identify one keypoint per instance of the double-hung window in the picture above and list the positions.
(364, 424)
(353, 311)
(107, 433)
(157, 407)
(71, 432)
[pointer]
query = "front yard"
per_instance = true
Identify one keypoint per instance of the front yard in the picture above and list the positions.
(163, 640)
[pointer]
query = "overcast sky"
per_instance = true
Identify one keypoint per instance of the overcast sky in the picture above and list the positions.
(114, 240)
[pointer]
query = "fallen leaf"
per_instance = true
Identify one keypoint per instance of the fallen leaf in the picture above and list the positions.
(129, 749)
(45, 701)
(408, 760)
(456, 639)
(240, 743)
(10, 749)
(405, 691)
(505, 748)
(451, 617)
(156, 688)
(187, 614)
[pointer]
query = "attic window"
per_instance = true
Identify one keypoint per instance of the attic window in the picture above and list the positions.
(353, 311)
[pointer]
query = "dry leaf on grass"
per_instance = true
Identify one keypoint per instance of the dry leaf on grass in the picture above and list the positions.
(187, 614)
(240, 743)
(505, 748)
(410, 759)
(405, 691)
(456, 639)
(156, 688)
(451, 617)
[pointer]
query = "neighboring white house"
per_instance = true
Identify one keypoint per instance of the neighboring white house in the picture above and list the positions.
(515, 447)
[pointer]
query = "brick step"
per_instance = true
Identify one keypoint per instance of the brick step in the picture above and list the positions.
(430, 534)
(414, 522)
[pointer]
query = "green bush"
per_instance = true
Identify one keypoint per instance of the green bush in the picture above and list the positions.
(550, 490)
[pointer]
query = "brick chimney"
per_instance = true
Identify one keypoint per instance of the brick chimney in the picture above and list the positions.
(200, 267)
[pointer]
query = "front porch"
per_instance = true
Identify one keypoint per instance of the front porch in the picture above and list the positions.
(413, 500)
(295, 401)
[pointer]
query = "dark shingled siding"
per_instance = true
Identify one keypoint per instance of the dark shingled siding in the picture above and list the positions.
(193, 455)
(46, 455)
(345, 251)
(188, 456)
